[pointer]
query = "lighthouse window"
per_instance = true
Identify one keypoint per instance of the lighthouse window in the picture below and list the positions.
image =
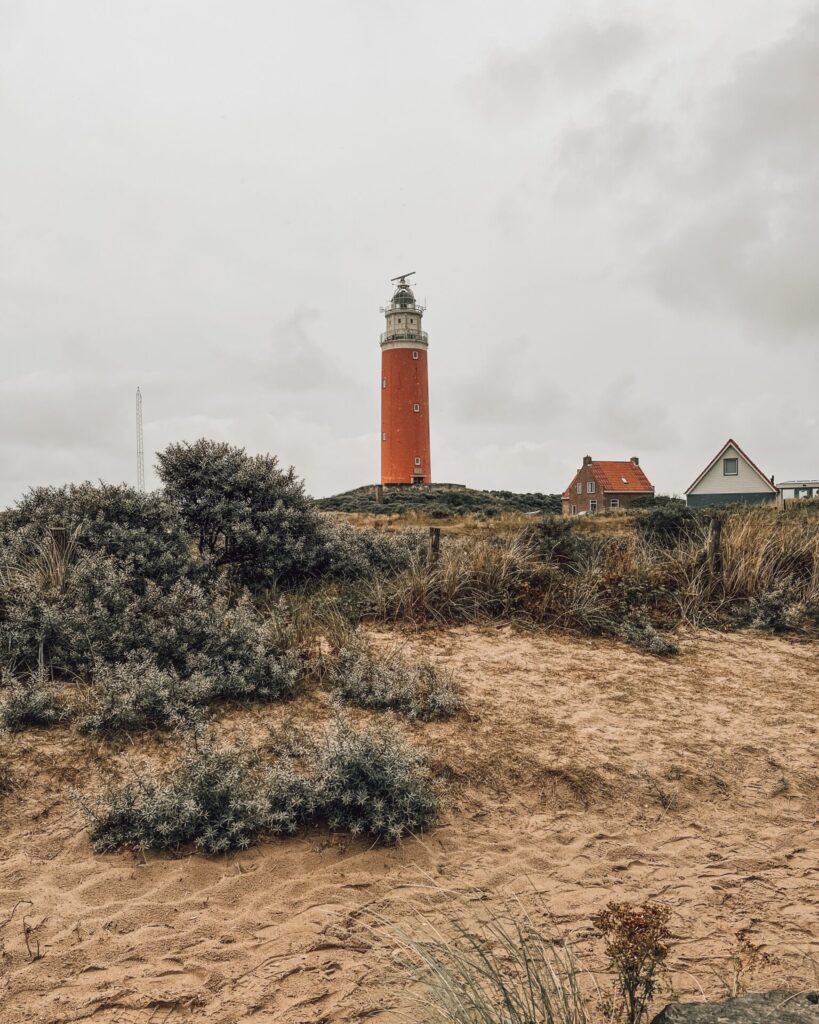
(414, 355)
(416, 408)
(417, 460)
(383, 437)
(384, 383)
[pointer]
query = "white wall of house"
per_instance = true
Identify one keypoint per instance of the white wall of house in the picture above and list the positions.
(715, 481)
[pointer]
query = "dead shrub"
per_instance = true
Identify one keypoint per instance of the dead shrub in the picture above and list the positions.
(636, 940)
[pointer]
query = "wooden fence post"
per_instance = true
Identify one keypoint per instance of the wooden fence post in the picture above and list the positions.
(714, 549)
(434, 543)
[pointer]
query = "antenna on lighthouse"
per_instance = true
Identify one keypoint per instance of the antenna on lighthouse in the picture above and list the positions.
(140, 445)
(403, 277)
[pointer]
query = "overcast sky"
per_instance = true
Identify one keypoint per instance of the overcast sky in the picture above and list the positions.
(612, 208)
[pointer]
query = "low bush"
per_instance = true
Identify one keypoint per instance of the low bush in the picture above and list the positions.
(559, 542)
(351, 553)
(667, 525)
(98, 621)
(774, 610)
(218, 800)
(364, 783)
(30, 701)
(142, 532)
(137, 694)
(373, 783)
(638, 630)
(419, 690)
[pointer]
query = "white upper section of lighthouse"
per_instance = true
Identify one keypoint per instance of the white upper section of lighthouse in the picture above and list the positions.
(403, 319)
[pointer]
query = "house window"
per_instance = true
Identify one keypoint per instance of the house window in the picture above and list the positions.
(579, 487)
(730, 467)
(416, 408)
(592, 506)
(615, 503)
(590, 487)
(417, 460)
(574, 510)
(414, 355)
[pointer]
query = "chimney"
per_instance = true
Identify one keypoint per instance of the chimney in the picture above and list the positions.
(635, 460)
(587, 460)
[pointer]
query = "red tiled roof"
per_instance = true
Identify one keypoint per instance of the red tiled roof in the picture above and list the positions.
(618, 478)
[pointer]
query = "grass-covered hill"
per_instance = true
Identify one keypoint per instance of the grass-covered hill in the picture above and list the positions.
(439, 501)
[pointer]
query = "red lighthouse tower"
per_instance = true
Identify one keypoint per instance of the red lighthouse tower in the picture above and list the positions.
(404, 391)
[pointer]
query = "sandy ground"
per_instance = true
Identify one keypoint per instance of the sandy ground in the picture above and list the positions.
(581, 769)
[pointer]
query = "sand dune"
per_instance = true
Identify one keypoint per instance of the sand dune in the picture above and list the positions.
(581, 769)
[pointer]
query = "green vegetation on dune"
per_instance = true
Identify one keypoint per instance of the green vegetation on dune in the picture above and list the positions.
(439, 501)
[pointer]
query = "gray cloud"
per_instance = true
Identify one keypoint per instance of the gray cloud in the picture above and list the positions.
(571, 56)
(509, 388)
(748, 248)
(723, 194)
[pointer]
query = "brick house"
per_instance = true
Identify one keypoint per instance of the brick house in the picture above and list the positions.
(599, 486)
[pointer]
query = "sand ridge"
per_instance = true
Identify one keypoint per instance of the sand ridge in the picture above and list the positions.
(580, 768)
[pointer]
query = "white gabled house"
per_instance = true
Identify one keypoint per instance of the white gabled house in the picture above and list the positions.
(731, 478)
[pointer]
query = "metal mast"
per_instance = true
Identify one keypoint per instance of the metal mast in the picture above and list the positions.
(140, 445)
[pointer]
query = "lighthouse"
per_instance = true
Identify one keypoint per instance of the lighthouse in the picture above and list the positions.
(404, 390)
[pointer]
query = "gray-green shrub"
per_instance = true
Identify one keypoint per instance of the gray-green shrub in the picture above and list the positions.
(373, 783)
(638, 630)
(365, 783)
(244, 513)
(214, 799)
(137, 694)
(29, 701)
(142, 532)
(417, 689)
(99, 620)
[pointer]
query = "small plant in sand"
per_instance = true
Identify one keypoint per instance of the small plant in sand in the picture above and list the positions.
(6, 774)
(30, 701)
(417, 689)
(637, 947)
(638, 630)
